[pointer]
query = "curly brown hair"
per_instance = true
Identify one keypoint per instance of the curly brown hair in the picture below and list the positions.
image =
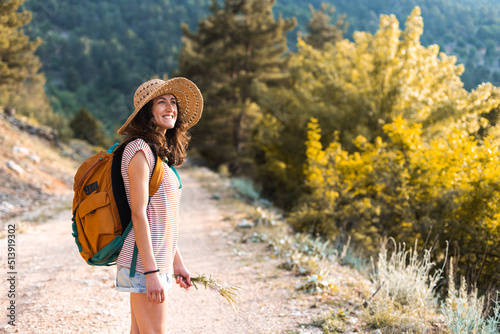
(171, 146)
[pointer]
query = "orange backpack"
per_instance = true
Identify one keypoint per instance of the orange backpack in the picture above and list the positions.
(101, 214)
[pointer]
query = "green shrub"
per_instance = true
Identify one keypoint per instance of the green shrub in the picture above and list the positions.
(246, 188)
(86, 127)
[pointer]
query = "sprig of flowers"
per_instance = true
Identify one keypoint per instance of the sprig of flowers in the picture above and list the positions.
(225, 290)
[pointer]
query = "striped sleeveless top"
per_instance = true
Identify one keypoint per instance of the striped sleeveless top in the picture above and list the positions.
(162, 213)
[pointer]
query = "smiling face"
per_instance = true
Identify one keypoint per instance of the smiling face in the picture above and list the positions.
(164, 110)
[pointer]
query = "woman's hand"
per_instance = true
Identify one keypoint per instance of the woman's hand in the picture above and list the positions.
(154, 288)
(183, 276)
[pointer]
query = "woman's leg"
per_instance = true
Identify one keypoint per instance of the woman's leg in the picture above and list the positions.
(150, 318)
(134, 328)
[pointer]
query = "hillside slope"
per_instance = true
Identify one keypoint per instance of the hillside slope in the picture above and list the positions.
(34, 173)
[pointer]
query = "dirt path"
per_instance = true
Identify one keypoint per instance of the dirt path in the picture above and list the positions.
(57, 292)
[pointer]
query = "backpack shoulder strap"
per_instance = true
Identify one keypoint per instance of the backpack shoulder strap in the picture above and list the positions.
(158, 171)
(157, 176)
(176, 174)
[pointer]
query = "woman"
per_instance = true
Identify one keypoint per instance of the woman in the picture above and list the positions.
(164, 110)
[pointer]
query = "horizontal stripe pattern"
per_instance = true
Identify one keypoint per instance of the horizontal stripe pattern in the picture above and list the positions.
(162, 213)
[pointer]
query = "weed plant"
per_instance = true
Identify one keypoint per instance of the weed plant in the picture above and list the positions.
(246, 188)
(331, 322)
(463, 310)
(405, 299)
(317, 283)
(349, 257)
(406, 279)
(264, 217)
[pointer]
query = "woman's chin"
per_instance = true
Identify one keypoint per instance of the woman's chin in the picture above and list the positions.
(166, 125)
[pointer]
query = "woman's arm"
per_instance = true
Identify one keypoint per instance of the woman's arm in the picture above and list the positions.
(138, 171)
(183, 275)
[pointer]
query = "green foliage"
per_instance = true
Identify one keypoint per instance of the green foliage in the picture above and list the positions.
(320, 30)
(96, 53)
(86, 127)
(246, 188)
(404, 303)
(447, 21)
(107, 48)
(21, 84)
(30, 100)
(17, 59)
(239, 45)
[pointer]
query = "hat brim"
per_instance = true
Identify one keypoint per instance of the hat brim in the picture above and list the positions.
(188, 97)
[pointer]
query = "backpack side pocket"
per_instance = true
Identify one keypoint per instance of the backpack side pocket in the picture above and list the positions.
(96, 214)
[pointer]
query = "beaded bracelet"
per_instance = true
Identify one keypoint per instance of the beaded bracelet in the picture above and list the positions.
(152, 271)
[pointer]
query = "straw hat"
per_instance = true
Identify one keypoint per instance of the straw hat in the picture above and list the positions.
(185, 91)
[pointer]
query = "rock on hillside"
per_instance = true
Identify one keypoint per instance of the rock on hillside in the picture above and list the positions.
(36, 177)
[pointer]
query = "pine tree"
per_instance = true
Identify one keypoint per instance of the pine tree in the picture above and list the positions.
(238, 46)
(17, 58)
(321, 30)
(86, 127)
(21, 83)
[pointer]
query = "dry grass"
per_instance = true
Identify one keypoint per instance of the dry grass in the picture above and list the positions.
(405, 278)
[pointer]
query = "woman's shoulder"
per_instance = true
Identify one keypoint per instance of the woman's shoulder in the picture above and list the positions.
(136, 142)
(137, 145)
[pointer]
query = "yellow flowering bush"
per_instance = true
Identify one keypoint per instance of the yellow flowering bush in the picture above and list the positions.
(442, 190)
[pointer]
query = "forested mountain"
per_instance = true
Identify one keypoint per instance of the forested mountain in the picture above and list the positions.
(94, 53)
(467, 29)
